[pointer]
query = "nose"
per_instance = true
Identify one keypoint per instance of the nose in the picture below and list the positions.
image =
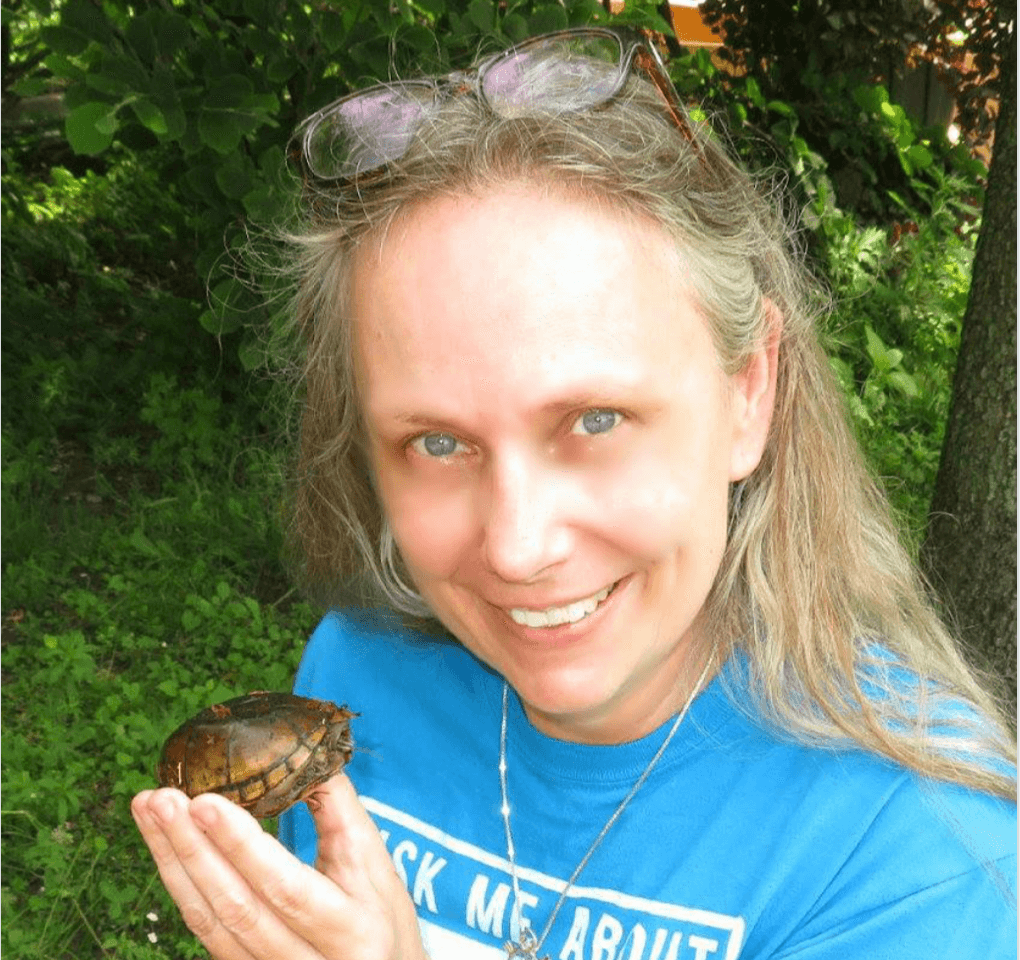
(527, 527)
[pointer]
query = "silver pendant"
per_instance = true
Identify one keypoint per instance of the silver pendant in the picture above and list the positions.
(526, 947)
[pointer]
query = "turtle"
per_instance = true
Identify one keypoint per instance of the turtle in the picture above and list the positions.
(265, 751)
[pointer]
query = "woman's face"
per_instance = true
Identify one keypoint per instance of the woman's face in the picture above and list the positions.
(553, 441)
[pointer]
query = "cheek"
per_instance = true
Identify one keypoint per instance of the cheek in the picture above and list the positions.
(433, 533)
(661, 507)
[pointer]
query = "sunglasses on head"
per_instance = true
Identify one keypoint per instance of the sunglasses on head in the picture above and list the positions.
(569, 71)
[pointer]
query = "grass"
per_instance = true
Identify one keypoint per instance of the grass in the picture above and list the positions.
(141, 492)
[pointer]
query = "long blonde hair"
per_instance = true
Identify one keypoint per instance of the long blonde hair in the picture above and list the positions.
(838, 640)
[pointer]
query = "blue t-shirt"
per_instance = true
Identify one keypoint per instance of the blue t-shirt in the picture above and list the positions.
(739, 844)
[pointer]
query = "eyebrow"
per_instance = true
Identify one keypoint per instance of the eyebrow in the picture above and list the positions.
(580, 401)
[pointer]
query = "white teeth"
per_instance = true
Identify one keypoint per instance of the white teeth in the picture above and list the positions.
(555, 616)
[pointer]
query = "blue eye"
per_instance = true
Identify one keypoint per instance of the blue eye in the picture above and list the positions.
(436, 445)
(593, 422)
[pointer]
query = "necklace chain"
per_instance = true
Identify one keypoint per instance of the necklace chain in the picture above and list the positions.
(527, 945)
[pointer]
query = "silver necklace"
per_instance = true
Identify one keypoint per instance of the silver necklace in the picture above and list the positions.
(527, 945)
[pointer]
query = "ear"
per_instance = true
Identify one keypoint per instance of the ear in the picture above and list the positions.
(754, 397)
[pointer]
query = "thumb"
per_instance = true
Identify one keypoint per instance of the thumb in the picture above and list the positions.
(350, 847)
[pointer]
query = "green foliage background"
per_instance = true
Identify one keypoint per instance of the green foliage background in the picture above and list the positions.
(142, 462)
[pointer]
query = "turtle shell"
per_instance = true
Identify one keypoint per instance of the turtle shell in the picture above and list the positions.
(265, 751)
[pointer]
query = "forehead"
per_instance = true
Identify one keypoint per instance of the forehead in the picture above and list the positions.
(594, 227)
(523, 282)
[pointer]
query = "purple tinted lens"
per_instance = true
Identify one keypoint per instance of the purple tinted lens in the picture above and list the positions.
(558, 75)
(368, 130)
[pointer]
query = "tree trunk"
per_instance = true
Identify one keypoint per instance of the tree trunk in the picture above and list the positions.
(970, 551)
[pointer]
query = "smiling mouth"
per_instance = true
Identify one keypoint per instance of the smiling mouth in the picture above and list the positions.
(557, 616)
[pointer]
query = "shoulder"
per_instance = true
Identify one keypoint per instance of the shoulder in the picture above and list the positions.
(872, 798)
(410, 688)
(845, 853)
(865, 857)
(418, 698)
(923, 869)
(353, 645)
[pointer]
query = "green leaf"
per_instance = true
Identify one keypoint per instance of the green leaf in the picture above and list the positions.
(108, 124)
(481, 14)
(783, 108)
(251, 354)
(844, 374)
(64, 40)
(64, 68)
(233, 176)
(151, 116)
(547, 19)
(884, 359)
(264, 104)
(163, 93)
(905, 383)
(582, 12)
(89, 19)
(645, 17)
(263, 203)
(31, 87)
(435, 8)
(143, 544)
(141, 34)
(224, 297)
(920, 157)
(174, 33)
(124, 70)
(874, 345)
(223, 130)
(870, 98)
(799, 148)
(216, 323)
(280, 68)
(176, 122)
(102, 83)
(260, 11)
(90, 127)
(201, 181)
(228, 92)
(515, 27)
(332, 33)
(754, 92)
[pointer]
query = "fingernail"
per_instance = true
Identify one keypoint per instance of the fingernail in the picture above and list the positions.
(140, 812)
(162, 808)
(205, 816)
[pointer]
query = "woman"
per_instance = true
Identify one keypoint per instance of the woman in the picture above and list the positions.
(564, 398)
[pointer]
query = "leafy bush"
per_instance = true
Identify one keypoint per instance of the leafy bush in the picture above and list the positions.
(894, 249)
(901, 293)
(141, 577)
(210, 93)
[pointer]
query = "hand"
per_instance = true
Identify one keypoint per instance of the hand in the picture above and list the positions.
(247, 898)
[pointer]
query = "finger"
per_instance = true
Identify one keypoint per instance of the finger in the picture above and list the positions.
(225, 913)
(349, 843)
(159, 814)
(309, 903)
(352, 853)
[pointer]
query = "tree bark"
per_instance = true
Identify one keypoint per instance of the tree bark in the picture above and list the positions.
(970, 550)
